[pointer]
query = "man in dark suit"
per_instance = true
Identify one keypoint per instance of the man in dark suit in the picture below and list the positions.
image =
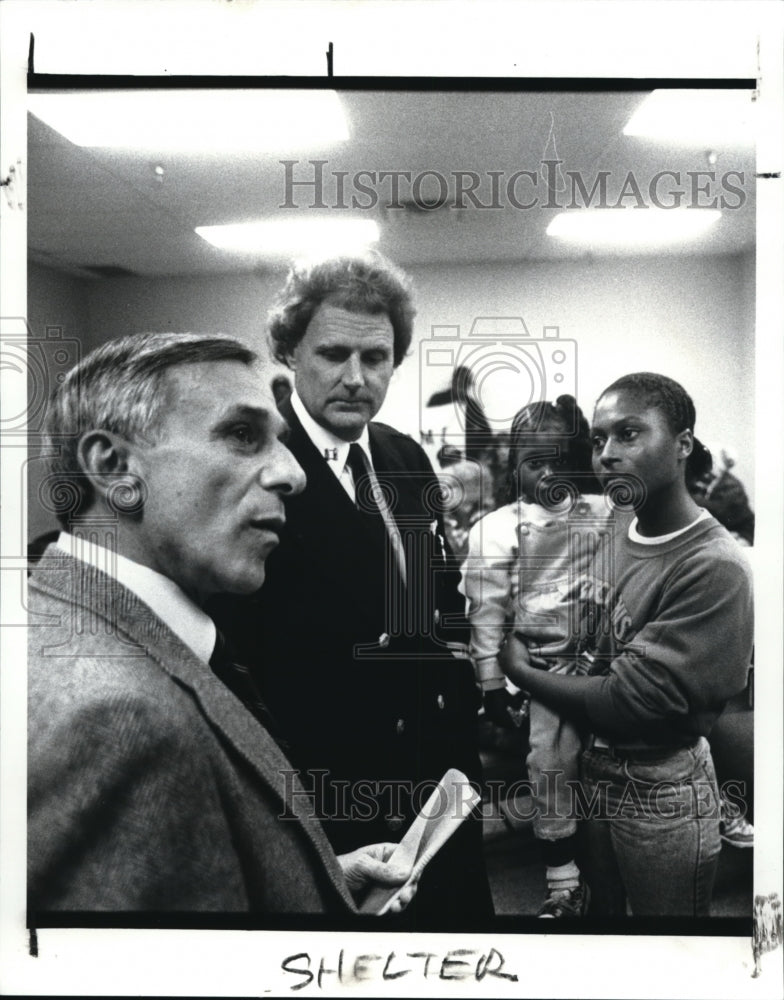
(154, 783)
(357, 635)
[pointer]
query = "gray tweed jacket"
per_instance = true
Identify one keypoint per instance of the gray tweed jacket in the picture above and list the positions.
(150, 786)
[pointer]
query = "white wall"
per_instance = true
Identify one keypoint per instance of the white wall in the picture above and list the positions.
(690, 318)
(233, 304)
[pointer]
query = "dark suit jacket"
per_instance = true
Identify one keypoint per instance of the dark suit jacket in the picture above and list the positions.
(382, 716)
(150, 786)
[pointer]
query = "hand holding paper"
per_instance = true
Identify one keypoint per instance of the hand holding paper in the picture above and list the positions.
(451, 802)
(373, 866)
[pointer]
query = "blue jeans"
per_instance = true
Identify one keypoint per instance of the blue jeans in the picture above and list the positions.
(653, 832)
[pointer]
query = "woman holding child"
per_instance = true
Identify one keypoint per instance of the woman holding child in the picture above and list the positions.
(666, 636)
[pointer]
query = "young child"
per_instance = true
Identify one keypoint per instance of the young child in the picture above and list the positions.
(522, 575)
(673, 633)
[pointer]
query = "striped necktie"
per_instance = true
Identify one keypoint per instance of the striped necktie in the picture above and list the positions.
(370, 501)
(238, 680)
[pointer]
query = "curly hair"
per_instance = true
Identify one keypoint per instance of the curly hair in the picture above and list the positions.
(362, 283)
(564, 418)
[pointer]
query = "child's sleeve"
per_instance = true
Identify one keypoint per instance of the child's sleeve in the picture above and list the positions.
(487, 585)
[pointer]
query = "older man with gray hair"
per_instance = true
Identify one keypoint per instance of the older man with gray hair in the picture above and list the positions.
(155, 783)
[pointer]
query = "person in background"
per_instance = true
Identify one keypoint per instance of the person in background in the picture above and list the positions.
(281, 389)
(668, 634)
(710, 489)
(154, 780)
(461, 394)
(467, 496)
(355, 641)
(522, 574)
(725, 497)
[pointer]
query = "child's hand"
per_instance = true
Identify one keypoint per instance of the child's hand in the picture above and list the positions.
(497, 703)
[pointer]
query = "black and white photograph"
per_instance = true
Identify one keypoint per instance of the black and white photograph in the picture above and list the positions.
(391, 499)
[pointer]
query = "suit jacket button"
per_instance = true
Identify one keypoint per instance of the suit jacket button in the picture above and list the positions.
(400, 727)
(383, 640)
(440, 701)
(395, 823)
(436, 616)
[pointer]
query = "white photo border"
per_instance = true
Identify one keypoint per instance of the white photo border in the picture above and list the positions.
(412, 38)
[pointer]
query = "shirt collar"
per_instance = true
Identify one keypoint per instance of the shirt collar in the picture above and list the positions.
(331, 448)
(635, 536)
(188, 622)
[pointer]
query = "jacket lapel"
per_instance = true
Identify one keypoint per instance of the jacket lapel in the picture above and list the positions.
(324, 522)
(125, 614)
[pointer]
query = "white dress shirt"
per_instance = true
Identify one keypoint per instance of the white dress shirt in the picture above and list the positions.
(333, 449)
(171, 604)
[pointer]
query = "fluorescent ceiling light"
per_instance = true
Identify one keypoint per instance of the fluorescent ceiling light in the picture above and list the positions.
(621, 227)
(696, 117)
(197, 121)
(292, 237)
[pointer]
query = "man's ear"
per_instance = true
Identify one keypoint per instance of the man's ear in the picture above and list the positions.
(109, 461)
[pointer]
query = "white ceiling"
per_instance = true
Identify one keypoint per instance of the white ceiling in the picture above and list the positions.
(105, 208)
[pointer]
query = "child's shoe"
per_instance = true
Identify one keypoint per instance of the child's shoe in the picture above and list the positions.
(566, 902)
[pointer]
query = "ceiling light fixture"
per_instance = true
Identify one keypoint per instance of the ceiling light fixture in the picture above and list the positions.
(695, 117)
(291, 237)
(195, 121)
(631, 227)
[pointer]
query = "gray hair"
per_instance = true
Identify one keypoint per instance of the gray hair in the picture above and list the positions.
(120, 387)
